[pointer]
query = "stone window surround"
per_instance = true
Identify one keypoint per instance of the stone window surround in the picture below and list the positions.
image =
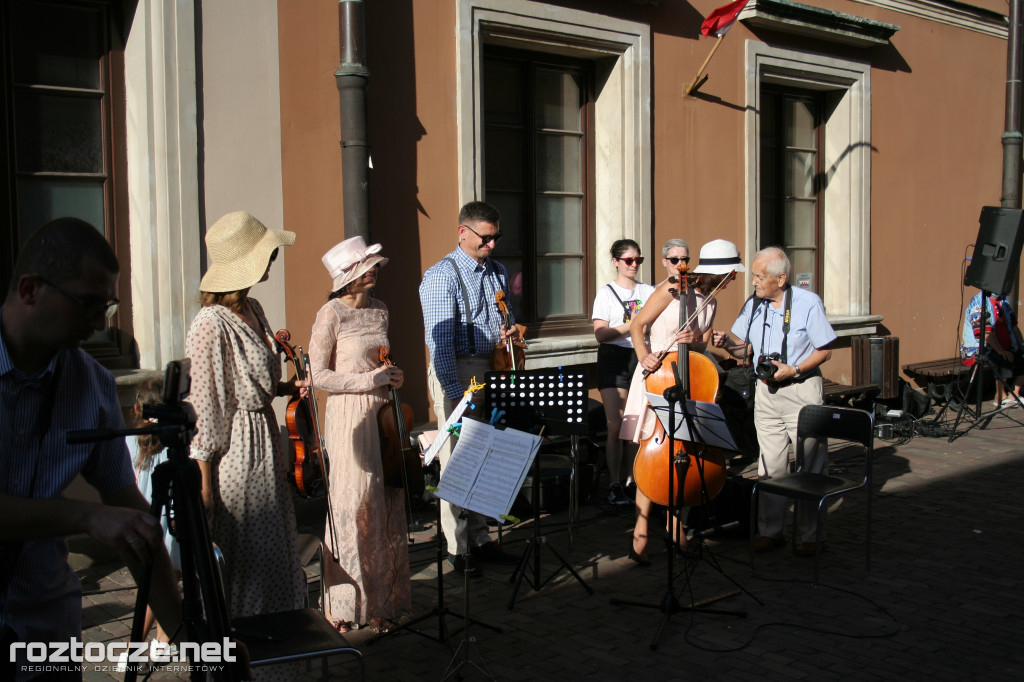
(621, 51)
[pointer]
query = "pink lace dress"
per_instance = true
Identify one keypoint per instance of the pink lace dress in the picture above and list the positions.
(370, 578)
(662, 334)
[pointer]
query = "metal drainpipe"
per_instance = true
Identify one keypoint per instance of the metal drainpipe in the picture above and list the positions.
(352, 78)
(1012, 133)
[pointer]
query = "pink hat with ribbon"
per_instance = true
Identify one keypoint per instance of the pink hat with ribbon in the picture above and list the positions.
(347, 261)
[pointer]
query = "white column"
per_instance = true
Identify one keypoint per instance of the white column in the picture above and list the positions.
(160, 83)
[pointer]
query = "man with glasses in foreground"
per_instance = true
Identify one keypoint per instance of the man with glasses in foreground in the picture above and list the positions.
(462, 324)
(62, 291)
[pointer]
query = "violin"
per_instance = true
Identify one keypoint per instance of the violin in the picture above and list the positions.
(511, 353)
(685, 475)
(393, 422)
(309, 470)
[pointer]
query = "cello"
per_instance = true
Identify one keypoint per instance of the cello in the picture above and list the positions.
(309, 471)
(693, 474)
(509, 354)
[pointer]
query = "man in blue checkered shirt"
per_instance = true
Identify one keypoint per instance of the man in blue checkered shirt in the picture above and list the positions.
(463, 325)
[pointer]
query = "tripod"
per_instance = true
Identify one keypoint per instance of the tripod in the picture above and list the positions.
(978, 416)
(176, 490)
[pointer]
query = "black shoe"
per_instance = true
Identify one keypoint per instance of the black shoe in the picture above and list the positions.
(462, 565)
(492, 553)
(639, 559)
(617, 496)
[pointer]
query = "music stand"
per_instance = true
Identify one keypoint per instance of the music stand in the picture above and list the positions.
(697, 426)
(556, 399)
(443, 634)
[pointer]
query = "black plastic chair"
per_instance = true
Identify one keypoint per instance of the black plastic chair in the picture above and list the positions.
(823, 422)
(285, 636)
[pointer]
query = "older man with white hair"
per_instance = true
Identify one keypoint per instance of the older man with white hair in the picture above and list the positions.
(789, 336)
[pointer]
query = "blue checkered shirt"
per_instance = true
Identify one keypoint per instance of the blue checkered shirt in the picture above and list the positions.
(444, 320)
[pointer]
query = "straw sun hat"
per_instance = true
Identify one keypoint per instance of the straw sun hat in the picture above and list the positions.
(349, 260)
(719, 257)
(239, 247)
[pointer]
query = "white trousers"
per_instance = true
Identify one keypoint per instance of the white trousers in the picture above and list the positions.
(775, 418)
(461, 531)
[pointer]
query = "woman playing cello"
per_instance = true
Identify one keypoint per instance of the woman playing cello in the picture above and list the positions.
(660, 317)
(368, 580)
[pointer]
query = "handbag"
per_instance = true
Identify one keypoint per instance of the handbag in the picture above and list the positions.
(738, 388)
(739, 383)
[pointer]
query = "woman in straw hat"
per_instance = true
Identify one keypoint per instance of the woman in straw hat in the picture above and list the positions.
(660, 319)
(236, 373)
(368, 581)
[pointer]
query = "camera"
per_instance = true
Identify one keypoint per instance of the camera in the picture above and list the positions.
(764, 369)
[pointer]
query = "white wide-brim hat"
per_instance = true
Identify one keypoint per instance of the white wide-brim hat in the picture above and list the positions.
(719, 257)
(239, 247)
(350, 259)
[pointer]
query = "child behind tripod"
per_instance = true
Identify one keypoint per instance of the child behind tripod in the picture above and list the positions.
(147, 452)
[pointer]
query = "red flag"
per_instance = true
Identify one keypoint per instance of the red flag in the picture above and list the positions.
(721, 20)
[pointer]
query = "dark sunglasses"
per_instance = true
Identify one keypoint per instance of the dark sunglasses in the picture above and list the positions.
(273, 255)
(629, 261)
(674, 260)
(92, 309)
(485, 238)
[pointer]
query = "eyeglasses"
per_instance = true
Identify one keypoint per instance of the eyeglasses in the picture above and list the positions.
(674, 260)
(273, 255)
(485, 238)
(92, 309)
(629, 261)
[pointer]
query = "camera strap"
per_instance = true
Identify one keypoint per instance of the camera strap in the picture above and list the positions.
(750, 323)
(787, 313)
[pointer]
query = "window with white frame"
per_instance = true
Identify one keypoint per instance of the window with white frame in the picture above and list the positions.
(591, 73)
(822, 215)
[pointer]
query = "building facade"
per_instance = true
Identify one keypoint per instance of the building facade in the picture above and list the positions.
(863, 136)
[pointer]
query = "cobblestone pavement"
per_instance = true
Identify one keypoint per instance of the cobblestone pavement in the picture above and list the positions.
(942, 599)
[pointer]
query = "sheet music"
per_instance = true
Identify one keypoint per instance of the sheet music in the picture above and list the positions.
(444, 433)
(487, 468)
(707, 417)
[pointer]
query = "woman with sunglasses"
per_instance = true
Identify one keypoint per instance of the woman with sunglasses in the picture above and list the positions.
(614, 307)
(674, 252)
(656, 328)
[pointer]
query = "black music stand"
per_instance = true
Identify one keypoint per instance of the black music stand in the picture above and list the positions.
(678, 461)
(554, 399)
(443, 634)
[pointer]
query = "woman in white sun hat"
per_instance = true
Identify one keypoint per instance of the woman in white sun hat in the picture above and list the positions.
(368, 580)
(236, 374)
(660, 319)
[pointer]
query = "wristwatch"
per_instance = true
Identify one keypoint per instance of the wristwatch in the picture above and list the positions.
(796, 371)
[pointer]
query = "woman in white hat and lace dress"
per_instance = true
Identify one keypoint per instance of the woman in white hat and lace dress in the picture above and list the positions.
(660, 319)
(368, 579)
(236, 374)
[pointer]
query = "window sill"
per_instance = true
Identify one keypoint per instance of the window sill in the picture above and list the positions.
(561, 351)
(855, 325)
(129, 380)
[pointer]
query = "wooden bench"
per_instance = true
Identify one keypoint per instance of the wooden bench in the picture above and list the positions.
(842, 394)
(938, 376)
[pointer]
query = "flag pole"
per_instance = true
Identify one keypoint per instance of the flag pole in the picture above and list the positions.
(691, 86)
